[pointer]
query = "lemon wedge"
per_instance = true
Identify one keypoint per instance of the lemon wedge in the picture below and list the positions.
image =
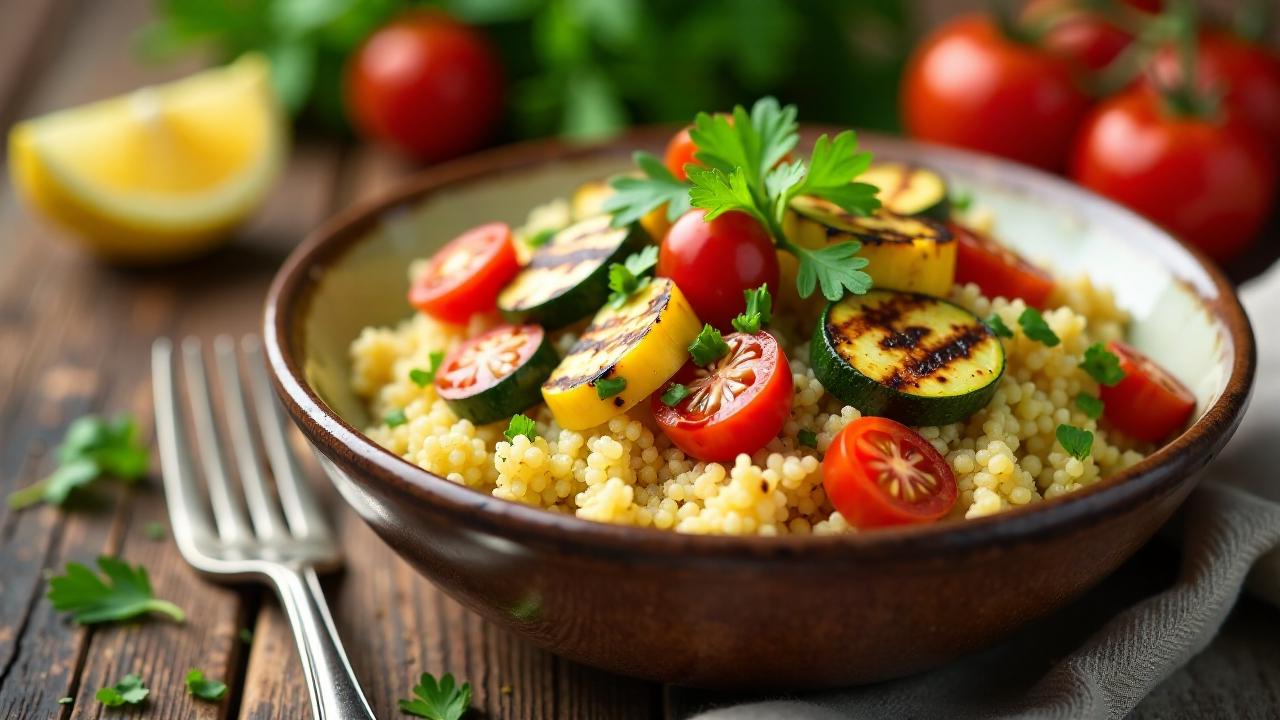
(159, 174)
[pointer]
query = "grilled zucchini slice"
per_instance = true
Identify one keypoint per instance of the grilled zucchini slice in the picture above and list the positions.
(910, 357)
(642, 344)
(905, 253)
(909, 190)
(568, 278)
(496, 374)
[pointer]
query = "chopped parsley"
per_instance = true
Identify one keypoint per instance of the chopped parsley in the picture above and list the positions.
(674, 394)
(203, 688)
(758, 313)
(423, 378)
(1090, 405)
(808, 438)
(438, 700)
(961, 201)
(1102, 365)
(540, 238)
(395, 418)
(998, 328)
(1034, 327)
(521, 425)
(608, 387)
(91, 449)
(708, 347)
(129, 690)
(631, 275)
(1077, 442)
(125, 593)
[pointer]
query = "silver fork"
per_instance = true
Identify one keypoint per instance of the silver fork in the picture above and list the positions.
(284, 550)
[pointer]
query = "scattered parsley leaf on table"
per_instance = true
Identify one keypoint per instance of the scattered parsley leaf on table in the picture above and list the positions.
(608, 387)
(125, 593)
(1102, 365)
(674, 395)
(1090, 405)
(1034, 327)
(443, 700)
(520, 425)
(635, 197)
(759, 311)
(423, 378)
(203, 688)
(998, 328)
(91, 448)
(1077, 442)
(708, 347)
(129, 690)
(631, 275)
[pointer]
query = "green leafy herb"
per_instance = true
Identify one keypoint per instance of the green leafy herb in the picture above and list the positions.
(635, 197)
(1034, 327)
(154, 530)
(129, 690)
(91, 448)
(203, 688)
(521, 425)
(708, 347)
(631, 275)
(1090, 405)
(443, 700)
(1102, 365)
(674, 394)
(808, 438)
(759, 311)
(423, 378)
(998, 328)
(125, 593)
(608, 387)
(961, 201)
(1077, 442)
(395, 418)
(540, 238)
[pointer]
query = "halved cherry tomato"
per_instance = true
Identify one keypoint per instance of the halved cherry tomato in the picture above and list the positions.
(714, 262)
(1149, 403)
(680, 150)
(465, 276)
(878, 472)
(997, 270)
(736, 405)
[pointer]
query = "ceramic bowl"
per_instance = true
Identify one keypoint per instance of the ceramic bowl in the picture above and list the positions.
(751, 612)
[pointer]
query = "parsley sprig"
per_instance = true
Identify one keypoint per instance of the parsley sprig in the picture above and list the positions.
(129, 690)
(521, 425)
(708, 347)
(758, 313)
(92, 448)
(1034, 326)
(634, 197)
(203, 688)
(631, 275)
(125, 593)
(438, 700)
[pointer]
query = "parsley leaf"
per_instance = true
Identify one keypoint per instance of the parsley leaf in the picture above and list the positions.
(540, 238)
(832, 167)
(126, 593)
(718, 192)
(961, 201)
(1102, 365)
(205, 689)
(423, 378)
(631, 275)
(708, 347)
(608, 387)
(395, 418)
(834, 269)
(808, 438)
(759, 311)
(998, 328)
(1090, 405)
(635, 197)
(91, 448)
(520, 425)
(1034, 327)
(442, 700)
(674, 394)
(1078, 443)
(129, 690)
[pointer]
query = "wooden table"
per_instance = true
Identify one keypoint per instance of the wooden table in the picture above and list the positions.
(74, 339)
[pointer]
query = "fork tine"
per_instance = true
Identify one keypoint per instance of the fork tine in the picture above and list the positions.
(233, 526)
(262, 510)
(300, 507)
(187, 513)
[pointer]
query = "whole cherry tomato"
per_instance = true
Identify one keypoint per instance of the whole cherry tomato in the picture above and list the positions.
(1207, 180)
(1149, 403)
(427, 85)
(879, 472)
(465, 276)
(680, 150)
(713, 263)
(1082, 37)
(970, 85)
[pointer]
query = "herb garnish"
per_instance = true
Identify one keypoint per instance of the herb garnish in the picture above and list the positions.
(708, 347)
(631, 275)
(443, 700)
(998, 328)
(540, 238)
(608, 387)
(395, 418)
(1034, 327)
(1090, 405)
(674, 394)
(126, 593)
(423, 378)
(808, 438)
(520, 425)
(91, 448)
(634, 197)
(203, 688)
(1077, 442)
(961, 201)
(129, 690)
(759, 311)
(1102, 365)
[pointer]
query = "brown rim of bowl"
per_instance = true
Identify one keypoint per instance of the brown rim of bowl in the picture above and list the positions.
(1155, 475)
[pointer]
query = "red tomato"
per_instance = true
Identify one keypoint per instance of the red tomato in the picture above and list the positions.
(1086, 40)
(1207, 181)
(1148, 404)
(714, 262)
(480, 362)
(878, 472)
(969, 85)
(426, 85)
(736, 405)
(465, 276)
(680, 150)
(997, 270)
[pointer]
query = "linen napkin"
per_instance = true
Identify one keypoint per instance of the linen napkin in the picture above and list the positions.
(1229, 531)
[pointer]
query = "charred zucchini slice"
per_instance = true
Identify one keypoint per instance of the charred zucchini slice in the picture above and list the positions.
(910, 357)
(496, 374)
(622, 357)
(905, 253)
(909, 190)
(567, 279)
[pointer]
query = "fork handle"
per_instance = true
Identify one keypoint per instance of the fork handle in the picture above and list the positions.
(335, 692)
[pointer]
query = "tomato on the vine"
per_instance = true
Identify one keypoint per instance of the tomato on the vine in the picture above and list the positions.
(465, 276)
(427, 85)
(714, 262)
(735, 405)
(997, 270)
(879, 472)
(1149, 403)
(970, 85)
